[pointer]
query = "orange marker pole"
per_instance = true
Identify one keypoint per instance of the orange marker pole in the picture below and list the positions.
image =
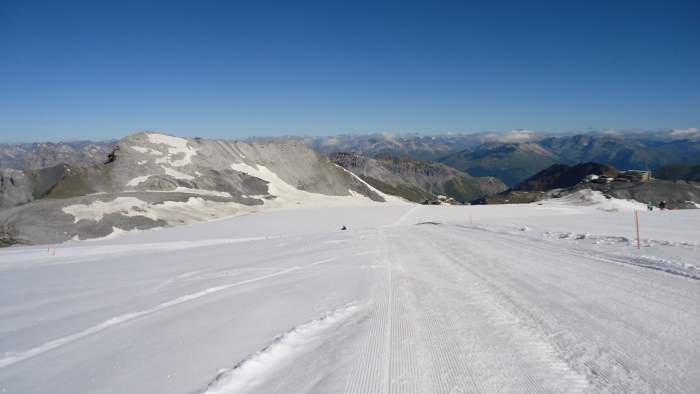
(636, 216)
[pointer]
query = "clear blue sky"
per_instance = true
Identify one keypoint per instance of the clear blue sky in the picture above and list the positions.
(98, 69)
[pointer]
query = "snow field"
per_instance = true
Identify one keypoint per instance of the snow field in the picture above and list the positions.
(422, 299)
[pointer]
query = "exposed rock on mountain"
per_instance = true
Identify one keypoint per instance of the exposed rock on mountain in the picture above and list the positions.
(158, 162)
(15, 188)
(155, 179)
(676, 172)
(483, 154)
(561, 180)
(21, 187)
(152, 179)
(560, 176)
(676, 194)
(417, 180)
(417, 147)
(49, 154)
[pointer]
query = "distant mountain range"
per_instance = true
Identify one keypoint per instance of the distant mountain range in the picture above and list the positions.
(51, 192)
(676, 172)
(510, 156)
(510, 162)
(48, 154)
(418, 147)
(515, 156)
(558, 176)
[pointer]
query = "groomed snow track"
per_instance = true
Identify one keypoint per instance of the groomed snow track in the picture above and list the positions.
(398, 304)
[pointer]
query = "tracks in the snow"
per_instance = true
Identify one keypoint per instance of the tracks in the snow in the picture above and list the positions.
(18, 356)
(436, 327)
(602, 320)
(369, 373)
(452, 315)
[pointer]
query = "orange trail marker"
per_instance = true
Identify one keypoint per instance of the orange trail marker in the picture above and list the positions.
(636, 217)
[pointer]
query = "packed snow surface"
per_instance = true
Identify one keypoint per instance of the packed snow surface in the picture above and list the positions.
(550, 298)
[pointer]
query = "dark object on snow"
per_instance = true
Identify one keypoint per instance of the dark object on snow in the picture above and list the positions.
(112, 155)
(343, 228)
(662, 204)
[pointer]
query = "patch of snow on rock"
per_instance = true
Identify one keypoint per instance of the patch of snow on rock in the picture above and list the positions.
(96, 210)
(387, 197)
(193, 210)
(149, 151)
(203, 192)
(138, 180)
(288, 195)
(177, 174)
(176, 146)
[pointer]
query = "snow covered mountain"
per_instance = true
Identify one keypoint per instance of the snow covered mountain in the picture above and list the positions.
(153, 180)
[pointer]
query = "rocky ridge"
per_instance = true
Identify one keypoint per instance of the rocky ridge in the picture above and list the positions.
(417, 180)
(153, 179)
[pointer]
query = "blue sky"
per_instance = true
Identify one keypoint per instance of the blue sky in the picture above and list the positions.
(94, 70)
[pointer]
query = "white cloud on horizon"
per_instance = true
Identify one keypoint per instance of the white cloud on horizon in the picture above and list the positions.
(518, 135)
(684, 132)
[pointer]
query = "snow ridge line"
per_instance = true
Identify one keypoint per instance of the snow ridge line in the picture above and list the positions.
(250, 371)
(12, 357)
(642, 262)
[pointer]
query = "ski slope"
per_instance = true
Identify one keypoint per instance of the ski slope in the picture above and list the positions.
(411, 299)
